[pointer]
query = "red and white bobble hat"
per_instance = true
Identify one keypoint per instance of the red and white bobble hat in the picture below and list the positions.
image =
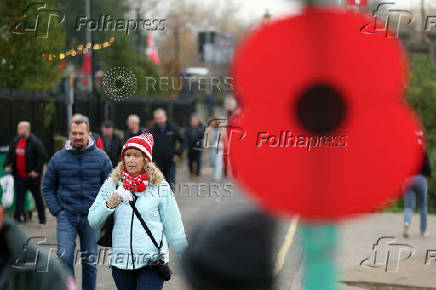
(143, 143)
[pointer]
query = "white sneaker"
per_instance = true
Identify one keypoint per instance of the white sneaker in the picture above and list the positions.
(406, 230)
(425, 234)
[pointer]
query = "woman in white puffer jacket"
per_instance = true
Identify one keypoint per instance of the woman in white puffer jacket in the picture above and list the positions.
(137, 179)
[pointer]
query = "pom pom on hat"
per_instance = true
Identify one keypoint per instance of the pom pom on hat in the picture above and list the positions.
(143, 143)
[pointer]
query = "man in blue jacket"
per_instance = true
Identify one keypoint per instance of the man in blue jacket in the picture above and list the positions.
(72, 181)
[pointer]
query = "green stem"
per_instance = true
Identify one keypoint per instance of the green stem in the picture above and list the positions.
(319, 245)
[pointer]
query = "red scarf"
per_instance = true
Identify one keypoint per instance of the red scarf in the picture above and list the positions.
(138, 184)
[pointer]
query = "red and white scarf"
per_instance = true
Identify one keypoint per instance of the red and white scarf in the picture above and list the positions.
(138, 183)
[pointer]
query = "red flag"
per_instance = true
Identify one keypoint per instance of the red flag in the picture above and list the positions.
(86, 67)
(151, 50)
(62, 65)
(357, 2)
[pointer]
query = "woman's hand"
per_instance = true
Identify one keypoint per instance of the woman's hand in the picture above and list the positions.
(114, 200)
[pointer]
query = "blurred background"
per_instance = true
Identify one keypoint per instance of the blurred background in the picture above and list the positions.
(49, 71)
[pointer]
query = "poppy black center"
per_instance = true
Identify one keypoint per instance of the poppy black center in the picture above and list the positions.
(321, 109)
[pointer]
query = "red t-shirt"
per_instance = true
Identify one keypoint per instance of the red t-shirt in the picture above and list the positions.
(20, 158)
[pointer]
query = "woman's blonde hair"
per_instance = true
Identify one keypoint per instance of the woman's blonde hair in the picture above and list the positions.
(150, 168)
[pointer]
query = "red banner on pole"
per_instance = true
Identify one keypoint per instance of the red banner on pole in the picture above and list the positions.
(357, 2)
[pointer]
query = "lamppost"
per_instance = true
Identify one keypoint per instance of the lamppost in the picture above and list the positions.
(423, 21)
(94, 91)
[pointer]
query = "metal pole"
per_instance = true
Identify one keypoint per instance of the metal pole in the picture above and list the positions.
(176, 44)
(138, 32)
(90, 51)
(423, 21)
(89, 35)
(70, 100)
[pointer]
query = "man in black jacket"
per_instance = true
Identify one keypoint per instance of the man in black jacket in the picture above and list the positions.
(166, 134)
(194, 135)
(134, 125)
(111, 142)
(27, 156)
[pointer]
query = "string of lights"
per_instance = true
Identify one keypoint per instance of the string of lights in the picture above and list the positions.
(81, 49)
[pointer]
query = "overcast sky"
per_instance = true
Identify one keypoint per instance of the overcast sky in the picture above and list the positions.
(252, 10)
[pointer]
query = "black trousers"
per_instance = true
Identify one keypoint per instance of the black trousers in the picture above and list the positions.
(194, 161)
(21, 187)
(168, 169)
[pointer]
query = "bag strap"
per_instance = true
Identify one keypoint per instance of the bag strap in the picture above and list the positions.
(147, 230)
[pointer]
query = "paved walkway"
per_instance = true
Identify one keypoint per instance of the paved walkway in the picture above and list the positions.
(198, 199)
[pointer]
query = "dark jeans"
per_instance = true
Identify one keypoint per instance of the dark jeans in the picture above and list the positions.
(68, 226)
(416, 191)
(169, 171)
(139, 279)
(194, 161)
(21, 187)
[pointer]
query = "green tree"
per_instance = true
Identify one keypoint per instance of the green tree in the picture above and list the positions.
(422, 97)
(123, 53)
(22, 65)
(123, 50)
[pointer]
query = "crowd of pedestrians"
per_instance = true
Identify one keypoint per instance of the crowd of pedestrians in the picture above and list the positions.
(128, 178)
(125, 184)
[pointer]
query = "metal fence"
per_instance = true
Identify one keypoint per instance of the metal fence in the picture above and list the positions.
(48, 114)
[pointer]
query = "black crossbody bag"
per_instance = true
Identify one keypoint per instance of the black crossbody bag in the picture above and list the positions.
(160, 266)
(105, 238)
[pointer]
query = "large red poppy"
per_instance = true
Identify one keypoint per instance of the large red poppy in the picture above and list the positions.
(316, 77)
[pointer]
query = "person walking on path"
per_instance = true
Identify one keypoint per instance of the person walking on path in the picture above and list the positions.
(230, 104)
(415, 188)
(135, 191)
(166, 135)
(194, 135)
(112, 144)
(71, 183)
(214, 140)
(133, 123)
(98, 141)
(209, 102)
(25, 160)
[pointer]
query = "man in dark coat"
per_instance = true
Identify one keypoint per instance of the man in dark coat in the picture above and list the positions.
(112, 144)
(134, 125)
(27, 156)
(72, 181)
(166, 135)
(194, 136)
